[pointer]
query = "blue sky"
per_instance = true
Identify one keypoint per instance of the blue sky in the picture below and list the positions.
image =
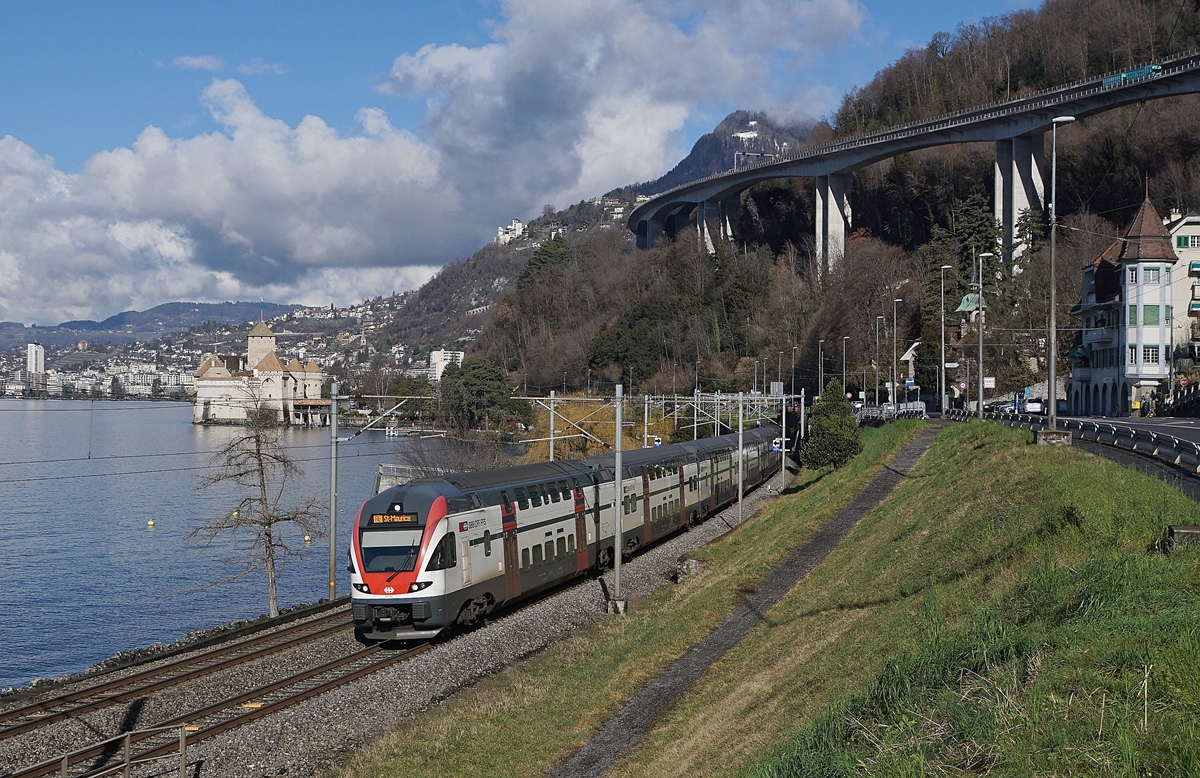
(153, 151)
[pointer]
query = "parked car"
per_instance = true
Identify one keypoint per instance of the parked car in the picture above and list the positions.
(1035, 405)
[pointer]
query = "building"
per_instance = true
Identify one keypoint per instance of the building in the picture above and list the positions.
(35, 358)
(505, 235)
(439, 360)
(226, 387)
(1137, 300)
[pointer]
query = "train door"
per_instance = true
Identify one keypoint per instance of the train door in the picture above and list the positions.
(512, 564)
(582, 546)
(682, 492)
(647, 530)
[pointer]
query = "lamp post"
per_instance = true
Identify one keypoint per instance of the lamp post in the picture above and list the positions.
(794, 368)
(895, 365)
(942, 364)
(844, 339)
(878, 319)
(1052, 384)
(981, 257)
(821, 366)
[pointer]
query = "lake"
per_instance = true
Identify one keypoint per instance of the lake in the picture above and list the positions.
(84, 577)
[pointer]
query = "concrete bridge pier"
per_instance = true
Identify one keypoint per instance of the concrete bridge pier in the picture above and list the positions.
(832, 218)
(1018, 186)
(648, 232)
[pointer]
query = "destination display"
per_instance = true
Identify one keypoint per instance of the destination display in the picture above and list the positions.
(393, 518)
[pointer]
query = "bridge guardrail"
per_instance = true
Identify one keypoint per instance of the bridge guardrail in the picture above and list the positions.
(1042, 98)
(1165, 448)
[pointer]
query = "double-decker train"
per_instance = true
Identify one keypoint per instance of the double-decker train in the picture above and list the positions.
(436, 552)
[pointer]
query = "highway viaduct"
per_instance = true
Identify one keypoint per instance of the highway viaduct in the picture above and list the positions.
(1016, 127)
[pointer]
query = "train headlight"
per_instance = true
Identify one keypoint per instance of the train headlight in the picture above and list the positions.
(362, 587)
(419, 585)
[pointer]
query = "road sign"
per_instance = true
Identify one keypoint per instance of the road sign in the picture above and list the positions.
(909, 383)
(1183, 382)
(962, 384)
(951, 365)
(989, 382)
(1028, 391)
(849, 396)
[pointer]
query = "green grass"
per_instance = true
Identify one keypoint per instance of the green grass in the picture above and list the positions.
(521, 721)
(1017, 621)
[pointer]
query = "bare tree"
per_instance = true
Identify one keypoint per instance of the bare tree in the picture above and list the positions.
(257, 464)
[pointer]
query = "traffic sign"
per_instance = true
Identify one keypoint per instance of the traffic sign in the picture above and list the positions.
(849, 396)
(951, 365)
(962, 384)
(989, 382)
(1183, 382)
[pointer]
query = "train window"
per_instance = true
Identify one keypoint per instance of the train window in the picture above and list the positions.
(459, 504)
(487, 542)
(537, 555)
(443, 555)
(524, 557)
(522, 500)
(565, 489)
(392, 550)
(549, 549)
(507, 503)
(562, 546)
(570, 544)
(535, 497)
(554, 495)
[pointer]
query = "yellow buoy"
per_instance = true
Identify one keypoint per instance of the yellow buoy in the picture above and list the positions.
(150, 523)
(307, 539)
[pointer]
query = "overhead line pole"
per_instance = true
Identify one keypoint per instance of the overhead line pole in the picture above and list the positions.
(618, 501)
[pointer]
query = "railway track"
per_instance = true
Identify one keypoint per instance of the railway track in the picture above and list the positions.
(225, 715)
(27, 718)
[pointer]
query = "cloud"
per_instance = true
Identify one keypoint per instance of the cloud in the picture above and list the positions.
(206, 62)
(292, 213)
(257, 67)
(574, 98)
(568, 100)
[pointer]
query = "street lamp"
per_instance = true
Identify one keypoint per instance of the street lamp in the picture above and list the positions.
(878, 319)
(942, 364)
(794, 368)
(895, 363)
(821, 366)
(1052, 384)
(984, 255)
(844, 339)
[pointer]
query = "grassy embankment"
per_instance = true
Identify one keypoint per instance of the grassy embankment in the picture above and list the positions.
(519, 722)
(1001, 612)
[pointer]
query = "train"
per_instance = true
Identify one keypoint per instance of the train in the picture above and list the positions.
(1149, 71)
(435, 553)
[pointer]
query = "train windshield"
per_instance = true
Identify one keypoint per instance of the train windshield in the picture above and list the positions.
(390, 550)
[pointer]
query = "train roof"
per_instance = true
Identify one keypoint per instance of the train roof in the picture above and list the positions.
(600, 466)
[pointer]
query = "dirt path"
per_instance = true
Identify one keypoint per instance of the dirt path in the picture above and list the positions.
(630, 724)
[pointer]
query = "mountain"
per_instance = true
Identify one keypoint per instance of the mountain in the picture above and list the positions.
(741, 131)
(129, 326)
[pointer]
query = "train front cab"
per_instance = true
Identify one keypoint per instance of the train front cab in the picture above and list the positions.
(401, 553)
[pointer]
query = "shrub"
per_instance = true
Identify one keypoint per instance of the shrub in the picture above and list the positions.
(832, 431)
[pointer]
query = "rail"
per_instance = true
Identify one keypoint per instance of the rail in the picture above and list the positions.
(1161, 446)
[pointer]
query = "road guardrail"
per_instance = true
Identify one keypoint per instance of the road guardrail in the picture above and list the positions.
(1166, 448)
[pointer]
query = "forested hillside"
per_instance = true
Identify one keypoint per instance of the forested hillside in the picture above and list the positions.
(657, 318)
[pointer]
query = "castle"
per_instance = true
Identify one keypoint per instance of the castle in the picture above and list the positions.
(227, 386)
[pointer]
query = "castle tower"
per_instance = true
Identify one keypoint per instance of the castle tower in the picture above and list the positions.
(260, 343)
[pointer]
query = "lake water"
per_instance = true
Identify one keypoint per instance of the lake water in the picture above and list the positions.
(83, 577)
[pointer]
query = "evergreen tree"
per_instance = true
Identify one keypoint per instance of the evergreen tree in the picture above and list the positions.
(833, 435)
